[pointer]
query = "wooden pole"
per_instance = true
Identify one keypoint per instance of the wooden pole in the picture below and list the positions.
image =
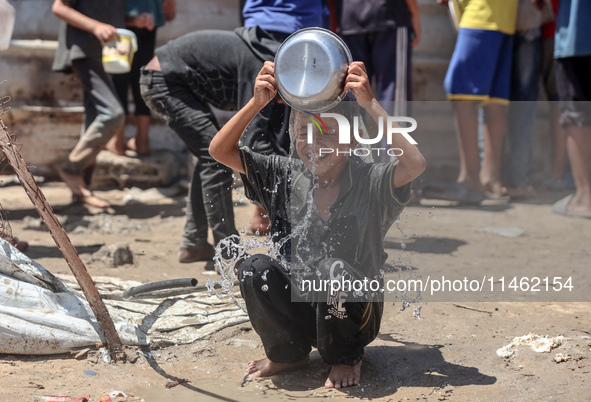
(63, 243)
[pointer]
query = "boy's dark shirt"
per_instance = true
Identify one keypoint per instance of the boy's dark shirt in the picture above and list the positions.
(366, 207)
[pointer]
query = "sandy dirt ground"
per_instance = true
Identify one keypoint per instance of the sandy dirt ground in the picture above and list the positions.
(447, 354)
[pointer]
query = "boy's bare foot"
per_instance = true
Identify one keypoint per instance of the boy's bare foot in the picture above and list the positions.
(343, 375)
(81, 192)
(267, 368)
(140, 148)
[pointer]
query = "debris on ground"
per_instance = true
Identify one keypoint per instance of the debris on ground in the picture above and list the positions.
(172, 384)
(561, 357)
(115, 396)
(505, 232)
(114, 255)
(79, 354)
(108, 224)
(540, 344)
(53, 398)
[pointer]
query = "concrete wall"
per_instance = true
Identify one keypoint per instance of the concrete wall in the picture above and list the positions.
(46, 106)
(34, 19)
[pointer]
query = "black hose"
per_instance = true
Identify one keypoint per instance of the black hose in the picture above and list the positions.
(168, 284)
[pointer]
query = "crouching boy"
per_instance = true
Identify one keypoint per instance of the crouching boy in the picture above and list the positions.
(329, 212)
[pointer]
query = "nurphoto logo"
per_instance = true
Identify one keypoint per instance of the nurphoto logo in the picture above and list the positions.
(392, 127)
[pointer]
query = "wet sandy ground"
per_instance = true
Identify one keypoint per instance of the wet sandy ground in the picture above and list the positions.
(448, 354)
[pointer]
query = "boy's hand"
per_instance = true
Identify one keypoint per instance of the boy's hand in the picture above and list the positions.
(265, 87)
(104, 32)
(358, 82)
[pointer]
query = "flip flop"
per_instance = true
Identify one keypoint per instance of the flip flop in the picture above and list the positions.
(494, 197)
(561, 207)
(452, 192)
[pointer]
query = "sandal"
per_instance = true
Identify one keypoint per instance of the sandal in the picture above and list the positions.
(452, 192)
(561, 207)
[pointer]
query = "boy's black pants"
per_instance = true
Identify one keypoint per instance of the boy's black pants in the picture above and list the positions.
(289, 329)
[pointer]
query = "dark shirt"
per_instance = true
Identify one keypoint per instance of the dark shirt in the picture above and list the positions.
(366, 207)
(285, 16)
(214, 62)
(365, 16)
(74, 43)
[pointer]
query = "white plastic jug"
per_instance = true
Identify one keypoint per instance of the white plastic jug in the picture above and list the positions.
(7, 15)
(118, 53)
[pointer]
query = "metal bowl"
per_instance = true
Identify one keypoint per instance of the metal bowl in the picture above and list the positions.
(310, 69)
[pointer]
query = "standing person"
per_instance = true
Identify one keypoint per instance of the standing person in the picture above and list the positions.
(144, 17)
(381, 34)
(560, 176)
(218, 68)
(86, 26)
(479, 76)
(572, 50)
(525, 81)
(345, 206)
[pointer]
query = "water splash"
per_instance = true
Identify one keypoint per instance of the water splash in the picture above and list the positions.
(229, 254)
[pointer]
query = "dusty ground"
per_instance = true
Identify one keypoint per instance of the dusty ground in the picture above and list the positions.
(448, 354)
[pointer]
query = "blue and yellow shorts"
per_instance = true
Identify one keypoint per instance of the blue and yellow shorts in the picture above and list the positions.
(480, 67)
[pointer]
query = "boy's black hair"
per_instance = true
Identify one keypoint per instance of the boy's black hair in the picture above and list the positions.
(348, 107)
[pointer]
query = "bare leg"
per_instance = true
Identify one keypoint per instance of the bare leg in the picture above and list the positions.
(467, 133)
(579, 152)
(117, 143)
(267, 368)
(81, 190)
(558, 143)
(342, 376)
(494, 131)
(141, 142)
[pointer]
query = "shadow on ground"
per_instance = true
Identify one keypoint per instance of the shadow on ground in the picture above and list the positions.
(36, 252)
(386, 368)
(431, 245)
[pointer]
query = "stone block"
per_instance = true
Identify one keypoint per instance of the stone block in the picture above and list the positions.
(160, 169)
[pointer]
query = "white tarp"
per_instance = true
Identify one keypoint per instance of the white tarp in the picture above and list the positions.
(39, 314)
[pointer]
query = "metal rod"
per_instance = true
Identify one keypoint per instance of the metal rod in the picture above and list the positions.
(168, 284)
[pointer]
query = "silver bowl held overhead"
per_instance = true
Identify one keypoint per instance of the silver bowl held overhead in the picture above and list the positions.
(310, 69)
